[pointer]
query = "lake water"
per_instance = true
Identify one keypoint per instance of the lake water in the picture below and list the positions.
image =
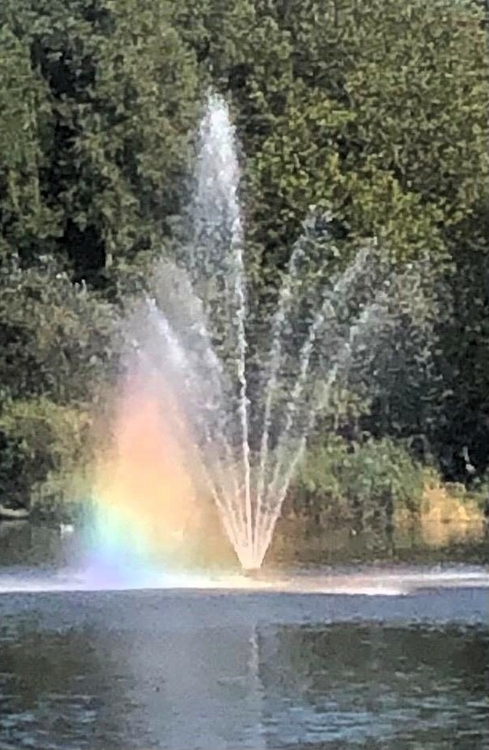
(354, 657)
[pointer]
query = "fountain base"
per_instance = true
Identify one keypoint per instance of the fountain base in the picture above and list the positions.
(253, 572)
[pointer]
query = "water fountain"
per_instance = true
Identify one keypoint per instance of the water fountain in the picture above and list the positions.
(235, 388)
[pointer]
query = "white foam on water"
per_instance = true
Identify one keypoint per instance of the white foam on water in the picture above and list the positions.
(85, 581)
(359, 583)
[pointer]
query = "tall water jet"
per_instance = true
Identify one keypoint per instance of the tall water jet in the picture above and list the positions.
(188, 359)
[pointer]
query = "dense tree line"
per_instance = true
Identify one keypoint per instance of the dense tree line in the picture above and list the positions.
(376, 111)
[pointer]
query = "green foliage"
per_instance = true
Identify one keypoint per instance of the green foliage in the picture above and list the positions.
(44, 445)
(374, 111)
(359, 484)
(382, 472)
(109, 98)
(57, 356)
(56, 339)
(24, 132)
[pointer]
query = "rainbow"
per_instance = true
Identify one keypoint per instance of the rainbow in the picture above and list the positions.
(146, 510)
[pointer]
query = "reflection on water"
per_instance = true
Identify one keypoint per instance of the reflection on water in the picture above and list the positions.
(431, 542)
(24, 544)
(135, 671)
(377, 687)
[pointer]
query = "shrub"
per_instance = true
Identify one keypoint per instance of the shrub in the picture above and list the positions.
(361, 484)
(44, 447)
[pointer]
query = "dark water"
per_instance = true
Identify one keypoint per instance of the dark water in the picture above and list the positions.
(188, 669)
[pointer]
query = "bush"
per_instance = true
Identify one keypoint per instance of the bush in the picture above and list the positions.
(44, 447)
(361, 484)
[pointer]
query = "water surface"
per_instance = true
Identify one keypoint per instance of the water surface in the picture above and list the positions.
(360, 657)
